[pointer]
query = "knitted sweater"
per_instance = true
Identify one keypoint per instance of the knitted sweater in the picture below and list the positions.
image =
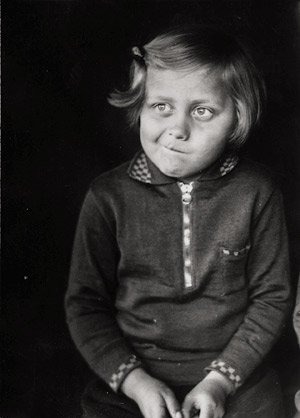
(179, 278)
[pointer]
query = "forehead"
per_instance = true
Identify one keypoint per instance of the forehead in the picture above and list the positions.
(198, 84)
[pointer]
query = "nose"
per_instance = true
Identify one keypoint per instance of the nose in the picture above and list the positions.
(180, 130)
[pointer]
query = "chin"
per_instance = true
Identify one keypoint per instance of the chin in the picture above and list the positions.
(169, 167)
(172, 172)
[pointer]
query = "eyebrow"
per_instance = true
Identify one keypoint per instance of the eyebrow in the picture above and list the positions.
(160, 99)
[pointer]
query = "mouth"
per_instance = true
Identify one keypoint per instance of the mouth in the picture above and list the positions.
(170, 146)
(174, 150)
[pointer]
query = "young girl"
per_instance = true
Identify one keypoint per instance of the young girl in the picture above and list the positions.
(179, 277)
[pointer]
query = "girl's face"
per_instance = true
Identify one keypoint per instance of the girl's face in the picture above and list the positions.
(185, 121)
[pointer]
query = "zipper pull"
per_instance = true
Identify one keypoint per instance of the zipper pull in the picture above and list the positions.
(186, 190)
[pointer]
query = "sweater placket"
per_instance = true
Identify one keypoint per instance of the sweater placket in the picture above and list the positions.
(186, 199)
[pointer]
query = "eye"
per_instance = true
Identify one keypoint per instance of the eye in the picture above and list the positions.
(202, 113)
(162, 108)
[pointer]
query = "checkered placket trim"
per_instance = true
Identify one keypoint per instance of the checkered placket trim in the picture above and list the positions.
(228, 164)
(124, 369)
(139, 170)
(229, 372)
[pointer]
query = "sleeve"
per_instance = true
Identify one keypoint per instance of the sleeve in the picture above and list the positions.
(269, 296)
(89, 300)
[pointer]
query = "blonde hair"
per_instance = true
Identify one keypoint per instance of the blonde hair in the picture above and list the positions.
(186, 50)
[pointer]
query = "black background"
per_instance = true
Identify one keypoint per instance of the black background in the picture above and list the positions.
(60, 61)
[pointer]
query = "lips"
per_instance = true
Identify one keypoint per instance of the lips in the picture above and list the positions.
(172, 145)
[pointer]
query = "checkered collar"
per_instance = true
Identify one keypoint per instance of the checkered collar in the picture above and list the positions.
(142, 169)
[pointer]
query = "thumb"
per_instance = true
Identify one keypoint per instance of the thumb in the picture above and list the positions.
(172, 405)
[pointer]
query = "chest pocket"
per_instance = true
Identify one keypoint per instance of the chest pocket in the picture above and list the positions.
(233, 269)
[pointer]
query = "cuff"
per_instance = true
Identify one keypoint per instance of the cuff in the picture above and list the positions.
(226, 370)
(124, 369)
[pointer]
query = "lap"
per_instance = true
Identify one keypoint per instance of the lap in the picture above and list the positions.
(260, 397)
(99, 401)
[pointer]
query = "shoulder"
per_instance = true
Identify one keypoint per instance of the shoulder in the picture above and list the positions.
(102, 199)
(255, 176)
(110, 179)
(113, 188)
(254, 186)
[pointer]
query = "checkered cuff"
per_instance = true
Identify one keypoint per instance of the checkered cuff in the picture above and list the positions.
(123, 371)
(229, 372)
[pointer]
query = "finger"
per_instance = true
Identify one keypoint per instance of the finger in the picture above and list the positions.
(185, 414)
(156, 411)
(187, 407)
(207, 412)
(172, 404)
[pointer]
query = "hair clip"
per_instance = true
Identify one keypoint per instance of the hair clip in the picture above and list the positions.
(138, 53)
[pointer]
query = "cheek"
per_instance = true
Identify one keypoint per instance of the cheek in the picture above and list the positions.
(149, 130)
(225, 127)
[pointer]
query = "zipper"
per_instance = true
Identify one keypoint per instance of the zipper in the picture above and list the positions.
(186, 199)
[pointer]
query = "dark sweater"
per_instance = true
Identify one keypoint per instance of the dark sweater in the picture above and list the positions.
(144, 291)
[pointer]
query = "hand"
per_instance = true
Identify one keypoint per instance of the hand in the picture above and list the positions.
(207, 399)
(153, 397)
